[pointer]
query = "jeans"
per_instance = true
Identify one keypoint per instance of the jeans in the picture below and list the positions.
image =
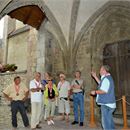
(15, 107)
(78, 99)
(107, 117)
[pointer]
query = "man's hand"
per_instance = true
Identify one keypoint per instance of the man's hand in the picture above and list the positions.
(24, 99)
(77, 86)
(93, 93)
(38, 89)
(93, 74)
(10, 99)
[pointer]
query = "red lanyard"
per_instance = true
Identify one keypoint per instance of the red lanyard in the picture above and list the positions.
(60, 85)
(17, 88)
(37, 85)
(50, 87)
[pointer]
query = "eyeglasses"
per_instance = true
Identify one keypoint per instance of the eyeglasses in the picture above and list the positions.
(61, 77)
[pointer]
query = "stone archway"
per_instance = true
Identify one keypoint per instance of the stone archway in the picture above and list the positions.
(16, 4)
(88, 26)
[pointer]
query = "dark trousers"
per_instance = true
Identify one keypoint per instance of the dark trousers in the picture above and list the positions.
(15, 107)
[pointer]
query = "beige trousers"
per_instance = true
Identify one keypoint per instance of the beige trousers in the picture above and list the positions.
(50, 108)
(64, 106)
(35, 113)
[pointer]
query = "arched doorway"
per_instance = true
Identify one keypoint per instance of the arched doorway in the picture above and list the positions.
(46, 11)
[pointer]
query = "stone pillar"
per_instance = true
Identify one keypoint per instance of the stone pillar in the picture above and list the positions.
(41, 50)
(5, 43)
(32, 50)
(41, 54)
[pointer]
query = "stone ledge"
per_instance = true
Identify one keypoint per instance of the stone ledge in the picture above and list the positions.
(15, 72)
(18, 31)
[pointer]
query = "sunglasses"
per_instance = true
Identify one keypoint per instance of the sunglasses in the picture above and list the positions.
(49, 80)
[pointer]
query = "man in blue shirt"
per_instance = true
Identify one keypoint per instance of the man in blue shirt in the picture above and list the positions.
(105, 97)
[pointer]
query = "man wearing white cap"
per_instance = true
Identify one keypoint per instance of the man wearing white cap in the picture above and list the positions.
(64, 93)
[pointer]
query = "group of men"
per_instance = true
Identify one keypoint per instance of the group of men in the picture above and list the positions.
(46, 93)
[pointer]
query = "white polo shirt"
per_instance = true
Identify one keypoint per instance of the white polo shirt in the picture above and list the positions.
(36, 96)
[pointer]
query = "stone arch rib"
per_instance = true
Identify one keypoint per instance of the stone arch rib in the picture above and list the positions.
(104, 8)
(14, 4)
(74, 14)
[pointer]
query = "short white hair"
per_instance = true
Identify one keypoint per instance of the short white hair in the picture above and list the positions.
(63, 75)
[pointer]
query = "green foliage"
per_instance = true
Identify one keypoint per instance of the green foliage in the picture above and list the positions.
(9, 67)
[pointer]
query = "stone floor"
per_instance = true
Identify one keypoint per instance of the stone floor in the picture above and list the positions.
(5, 123)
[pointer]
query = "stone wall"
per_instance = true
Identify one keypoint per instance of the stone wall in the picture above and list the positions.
(7, 79)
(49, 54)
(17, 50)
(1, 51)
(32, 54)
(53, 54)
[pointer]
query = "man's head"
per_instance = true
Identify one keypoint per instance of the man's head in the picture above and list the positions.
(17, 80)
(105, 69)
(37, 76)
(78, 74)
(62, 76)
(47, 75)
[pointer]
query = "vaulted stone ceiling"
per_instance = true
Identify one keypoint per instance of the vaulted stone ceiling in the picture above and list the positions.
(31, 15)
(69, 19)
(70, 15)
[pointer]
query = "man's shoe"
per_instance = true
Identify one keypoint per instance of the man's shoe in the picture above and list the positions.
(49, 122)
(14, 128)
(52, 122)
(38, 127)
(74, 122)
(27, 126)
(81, 124)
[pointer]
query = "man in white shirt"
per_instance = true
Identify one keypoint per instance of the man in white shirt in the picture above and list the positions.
(36, 100)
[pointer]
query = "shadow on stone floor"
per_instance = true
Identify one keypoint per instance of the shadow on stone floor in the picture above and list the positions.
(5, 123)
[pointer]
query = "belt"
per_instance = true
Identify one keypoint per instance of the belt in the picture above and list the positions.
(16, 101)
(65, 98)
(78, 93)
